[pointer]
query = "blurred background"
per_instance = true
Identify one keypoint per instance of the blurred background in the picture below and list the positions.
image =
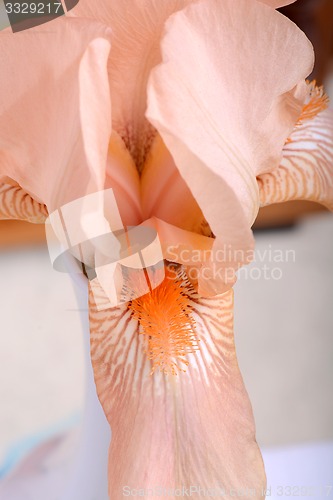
(283, 325)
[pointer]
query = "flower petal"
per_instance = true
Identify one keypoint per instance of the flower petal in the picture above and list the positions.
(232, 108)
(137, 29)
(17, 204)
(306, 169)
(55, 116)
(195, 428)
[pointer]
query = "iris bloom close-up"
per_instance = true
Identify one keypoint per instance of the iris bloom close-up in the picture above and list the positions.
(195, 114)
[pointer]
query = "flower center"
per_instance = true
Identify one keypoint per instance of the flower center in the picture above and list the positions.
(166, 322)
(317, 102)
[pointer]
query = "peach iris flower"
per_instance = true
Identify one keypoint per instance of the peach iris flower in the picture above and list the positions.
(196, 114)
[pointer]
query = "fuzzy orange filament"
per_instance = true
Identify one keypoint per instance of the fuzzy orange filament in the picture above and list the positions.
(166, 321)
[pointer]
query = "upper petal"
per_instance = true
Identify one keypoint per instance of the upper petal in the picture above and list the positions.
(276, 4)
(137, 27)
(55, 117)
(306, 169)
(225, 100)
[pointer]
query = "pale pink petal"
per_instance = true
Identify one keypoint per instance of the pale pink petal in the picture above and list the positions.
(230, 81)
(168, 431)
(174, 240)
(306, 169)
(137, 27)
(55, 116)
(17, 204)
(276, 4)
(45, 468)
(165, 194)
